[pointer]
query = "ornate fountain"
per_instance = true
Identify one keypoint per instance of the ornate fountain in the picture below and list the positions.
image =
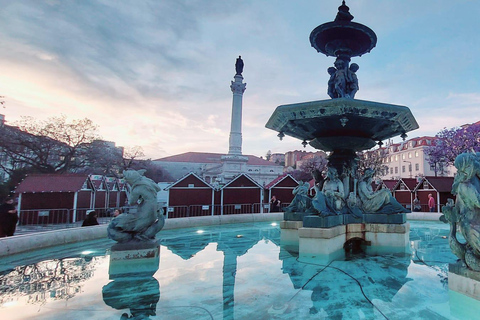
(343, 126)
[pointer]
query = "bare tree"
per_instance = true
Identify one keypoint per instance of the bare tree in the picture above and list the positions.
(53, 145)
(104, 158)
(308, 167)
(373, 159)
(131, 156)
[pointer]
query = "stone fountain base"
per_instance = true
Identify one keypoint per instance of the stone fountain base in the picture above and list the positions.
(327, 244)
(289, 234)
(463, 280)
(325, 239)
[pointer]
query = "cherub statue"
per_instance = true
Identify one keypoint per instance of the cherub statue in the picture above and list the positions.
(144, 223)
(353, 80)
(340, 79)
(331, 83)
(343, 81)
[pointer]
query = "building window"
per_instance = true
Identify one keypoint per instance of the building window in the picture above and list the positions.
(396, 169)
(416, 154)
(409, 155)
(396, 158)
(391, 170)
(403, 168)
(402, 187)
(417, 167)
(403, 156)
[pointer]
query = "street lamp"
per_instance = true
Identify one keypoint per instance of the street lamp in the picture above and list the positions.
(409, 167)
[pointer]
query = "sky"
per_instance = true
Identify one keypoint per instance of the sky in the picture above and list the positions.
(157, 74)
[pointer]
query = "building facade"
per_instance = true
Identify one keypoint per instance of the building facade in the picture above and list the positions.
(295, 158)
(408, 160)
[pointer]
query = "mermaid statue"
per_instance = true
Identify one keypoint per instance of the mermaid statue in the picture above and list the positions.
(464, 213)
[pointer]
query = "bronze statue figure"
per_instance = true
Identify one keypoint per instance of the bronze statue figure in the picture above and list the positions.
(239, 66)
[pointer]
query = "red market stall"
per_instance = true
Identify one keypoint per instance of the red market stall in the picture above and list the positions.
(282, 188)
(190, 196)
(54, 198)
(241, 195)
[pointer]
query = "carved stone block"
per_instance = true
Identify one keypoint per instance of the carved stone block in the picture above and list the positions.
(322, 222)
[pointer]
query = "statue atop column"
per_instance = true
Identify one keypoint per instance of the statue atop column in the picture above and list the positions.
(239, 66)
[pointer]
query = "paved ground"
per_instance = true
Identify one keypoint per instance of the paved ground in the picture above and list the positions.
(25, 229)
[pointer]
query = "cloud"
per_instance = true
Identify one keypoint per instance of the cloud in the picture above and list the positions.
(157, 73)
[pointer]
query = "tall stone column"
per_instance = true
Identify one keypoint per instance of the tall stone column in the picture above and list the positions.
(233, 162)
(235, 141)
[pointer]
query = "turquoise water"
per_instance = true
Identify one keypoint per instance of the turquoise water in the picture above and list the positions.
(235, 272)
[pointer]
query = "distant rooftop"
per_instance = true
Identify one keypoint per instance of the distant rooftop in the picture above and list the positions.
(205, 157)
(52, 183)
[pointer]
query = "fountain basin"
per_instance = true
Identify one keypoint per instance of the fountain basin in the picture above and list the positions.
(342, 123)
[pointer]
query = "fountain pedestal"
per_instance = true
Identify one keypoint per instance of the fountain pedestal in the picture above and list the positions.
(324, 245)
(386, 238)
(464, 280)
(139, 259)
(321, 244)
(289, 233)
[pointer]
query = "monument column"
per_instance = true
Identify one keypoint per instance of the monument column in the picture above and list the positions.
(238, 88)
(233, 162)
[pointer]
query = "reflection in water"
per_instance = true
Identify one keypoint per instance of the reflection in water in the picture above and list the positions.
(57, 279)
(140, 295)
(233, 245)
(133, 287)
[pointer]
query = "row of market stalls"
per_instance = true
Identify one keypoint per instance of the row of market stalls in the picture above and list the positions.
(407, 189)
(192, 196)
(52, 198)
(66, 198)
